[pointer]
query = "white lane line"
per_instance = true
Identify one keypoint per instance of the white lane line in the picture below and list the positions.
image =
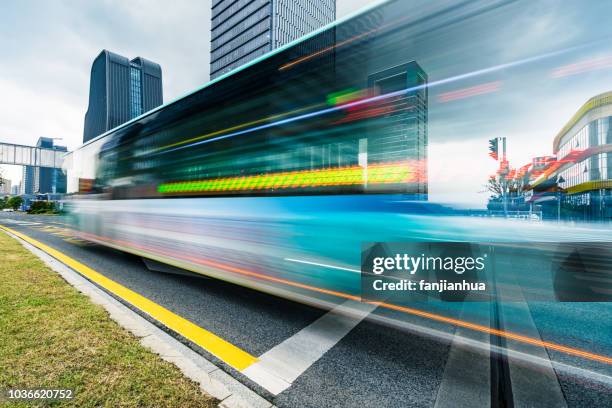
(530, 386)
(342, 268)
(279, 367)
(466, 381)
(26, 223)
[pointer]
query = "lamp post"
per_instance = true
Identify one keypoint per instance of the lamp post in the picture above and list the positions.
(560, 191)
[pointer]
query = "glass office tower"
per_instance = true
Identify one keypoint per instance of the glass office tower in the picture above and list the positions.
(243, 30)
(44, 180)
(120, 90)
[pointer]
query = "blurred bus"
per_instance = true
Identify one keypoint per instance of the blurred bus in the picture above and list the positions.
(273, 176)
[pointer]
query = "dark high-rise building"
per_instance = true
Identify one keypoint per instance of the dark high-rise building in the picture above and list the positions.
(243, 30)
(44, 179)
(27, 183)
(120, 90)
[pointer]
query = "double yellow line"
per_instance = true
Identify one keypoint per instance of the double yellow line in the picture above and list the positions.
(215, 345)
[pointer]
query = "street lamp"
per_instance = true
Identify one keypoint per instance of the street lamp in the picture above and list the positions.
(560, 191)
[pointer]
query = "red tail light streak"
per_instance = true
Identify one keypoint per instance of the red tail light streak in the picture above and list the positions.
(469, 92)
(593, 64)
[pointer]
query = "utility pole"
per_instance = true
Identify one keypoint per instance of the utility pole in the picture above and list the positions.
(504, 177)
(560, 191)
(502, 166)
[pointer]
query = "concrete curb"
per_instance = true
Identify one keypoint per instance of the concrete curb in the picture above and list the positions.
(212, 379)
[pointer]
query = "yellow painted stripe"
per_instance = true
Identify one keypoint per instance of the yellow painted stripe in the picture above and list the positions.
(227, 352)
(590, 185)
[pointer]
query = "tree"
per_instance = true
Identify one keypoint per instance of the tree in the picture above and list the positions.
(500, 186)
(494, 187)
(42, 207)
(15, 202)
(4, 202)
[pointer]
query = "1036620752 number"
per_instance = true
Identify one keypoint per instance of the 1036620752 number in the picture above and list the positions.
(38, 394)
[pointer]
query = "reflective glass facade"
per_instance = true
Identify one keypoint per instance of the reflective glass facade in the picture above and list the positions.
(44, 179)
(296, 18)
(243, 30)
(596, 133)
(136, 92)
(588, 136)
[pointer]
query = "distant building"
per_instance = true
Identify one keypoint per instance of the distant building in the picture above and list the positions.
(246, 29)
(15, 189)
(5, 186)
(44, 180)
(28, 180)
(120, 90)
(586, 141)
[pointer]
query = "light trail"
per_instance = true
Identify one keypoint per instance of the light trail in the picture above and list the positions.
(583, 66)
(256, 128)
(469, 92)
(381, 173)
(359, 36)
(254, 122)
(499, 333)
(372, 99)
(332, 47)
(323, 265)
(412, 311)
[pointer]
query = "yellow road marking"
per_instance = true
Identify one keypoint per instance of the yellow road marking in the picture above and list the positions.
(46, 228)
(77, 241)
(225, 351)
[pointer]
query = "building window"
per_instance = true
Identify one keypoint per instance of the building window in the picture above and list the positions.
(136, 92)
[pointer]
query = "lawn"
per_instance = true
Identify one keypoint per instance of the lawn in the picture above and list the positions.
(52, 336)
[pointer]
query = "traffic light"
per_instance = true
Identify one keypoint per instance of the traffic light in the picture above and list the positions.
(494, 148)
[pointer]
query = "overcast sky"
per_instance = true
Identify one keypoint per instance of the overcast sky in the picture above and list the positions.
(47, 48)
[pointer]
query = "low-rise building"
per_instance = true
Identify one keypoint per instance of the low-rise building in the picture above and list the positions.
(584, 145)
(5, 186)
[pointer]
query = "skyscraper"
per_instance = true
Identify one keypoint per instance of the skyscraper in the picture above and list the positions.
(120, 90)
(243, 30)
(27, 184)
(44, 179)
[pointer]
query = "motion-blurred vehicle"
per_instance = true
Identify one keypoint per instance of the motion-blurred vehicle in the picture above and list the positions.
(274, 175)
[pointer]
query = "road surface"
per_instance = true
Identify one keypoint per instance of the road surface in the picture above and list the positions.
(330, 359)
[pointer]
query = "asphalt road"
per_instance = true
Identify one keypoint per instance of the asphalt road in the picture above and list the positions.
(380, 362)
